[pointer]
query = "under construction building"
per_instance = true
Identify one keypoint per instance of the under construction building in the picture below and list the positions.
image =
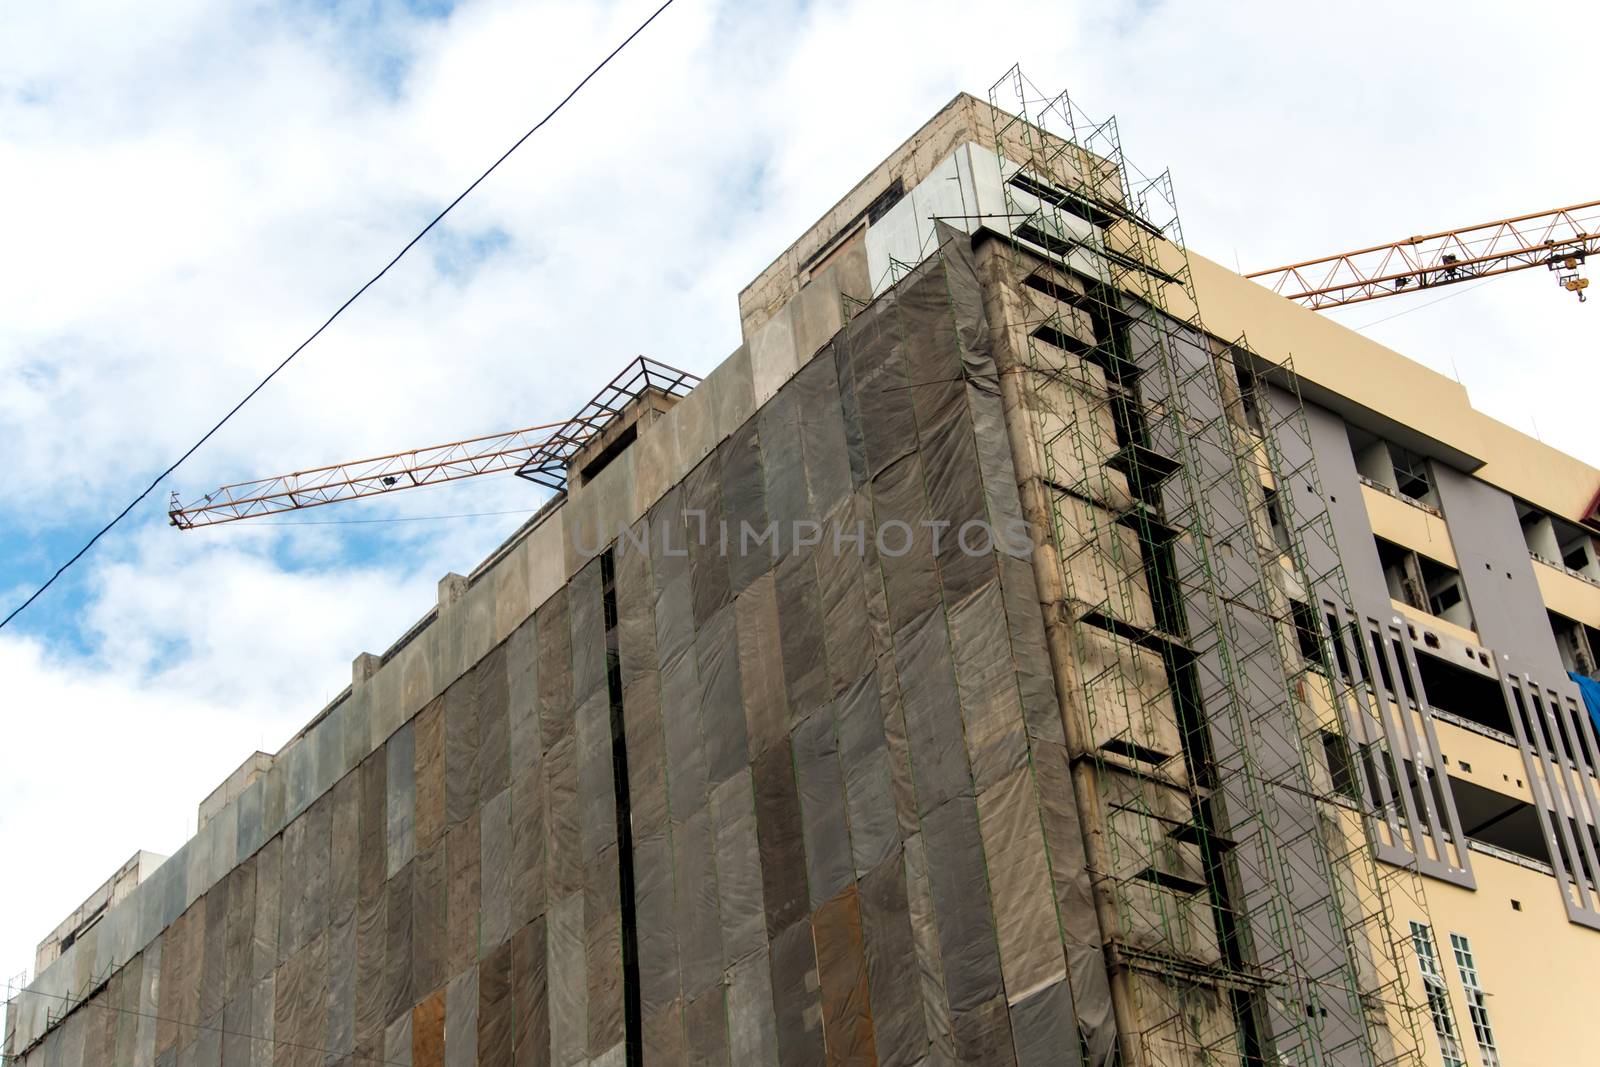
(1130, 667)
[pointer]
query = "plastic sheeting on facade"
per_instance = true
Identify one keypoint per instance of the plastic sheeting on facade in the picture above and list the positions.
(854, 835)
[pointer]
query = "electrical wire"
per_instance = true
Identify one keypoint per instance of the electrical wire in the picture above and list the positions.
(341, 309)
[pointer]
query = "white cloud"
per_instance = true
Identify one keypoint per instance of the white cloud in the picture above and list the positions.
(199, 659)
(193, 187)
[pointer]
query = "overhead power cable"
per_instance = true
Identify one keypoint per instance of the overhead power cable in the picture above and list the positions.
(79, 554)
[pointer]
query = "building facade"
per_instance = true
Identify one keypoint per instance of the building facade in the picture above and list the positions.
(997, 659)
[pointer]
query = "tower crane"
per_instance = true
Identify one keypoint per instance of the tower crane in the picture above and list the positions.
(1560, 240)
(538, 453)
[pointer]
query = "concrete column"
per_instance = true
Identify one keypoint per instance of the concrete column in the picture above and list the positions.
(452, 587)
(363, 667)
(1002, 307)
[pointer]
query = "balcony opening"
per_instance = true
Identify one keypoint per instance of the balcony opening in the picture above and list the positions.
(1251, 394)
(1562, 544)
(1393, 468)
(1578, 643)
(1464, 693)
(1308, 636)
(1280, 530)
(1498, 820)
(1341, 765)
(1423, 583)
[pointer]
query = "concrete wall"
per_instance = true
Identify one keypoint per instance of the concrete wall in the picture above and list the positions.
(1534, 997)
(112, 892)
(1392, 388)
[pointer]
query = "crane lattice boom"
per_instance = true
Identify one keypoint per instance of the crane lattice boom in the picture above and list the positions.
(362, 477)
(539, 453)
(1560, 240)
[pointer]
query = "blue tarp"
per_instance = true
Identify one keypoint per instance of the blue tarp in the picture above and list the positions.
(1591, 696)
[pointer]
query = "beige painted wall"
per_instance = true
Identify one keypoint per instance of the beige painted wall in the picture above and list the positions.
(1409, 526)
(1541, 973)
(1386, 381)
(1572, 597)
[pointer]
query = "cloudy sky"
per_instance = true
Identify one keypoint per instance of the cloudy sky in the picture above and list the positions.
(191, 187)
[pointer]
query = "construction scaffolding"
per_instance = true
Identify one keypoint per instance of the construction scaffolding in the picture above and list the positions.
(1246, 917)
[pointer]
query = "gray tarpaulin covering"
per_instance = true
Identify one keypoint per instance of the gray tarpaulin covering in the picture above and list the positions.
(738, 869)
(854, 839)
(564, 838)
(371, 924)
(554, 669)
(1042, 1025)
(430, 932)
(1019, 882)
(783, 871)
(707, 1033)
(869, 790)
(429, 772)
(932, 711)
(461, 1020)
(876, 374)
(525, 745)
(796, 1007)
(787, 496)
(822, 434)
(1074, 901)
(699, 921)
(342, 896)
(1035, 685)
(659, 984)
(493, 694)
(531, 995)
(827, 834)
(597, 805)
(745, 507)
(905, 540)
(496, 1008)
(494, 837)
(402, 915)
(602, 945)
(707, 521)
(842, 587)
(761, 682)
(721, 715)
(891, 956)
(960, 900)
(461, 769)
(805, 670)
(752, 1027)
(986, 681)
(685, 748)
(397, 941)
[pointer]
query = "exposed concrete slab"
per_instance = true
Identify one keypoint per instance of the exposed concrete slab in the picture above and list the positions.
(818, 314)
(772, 354)
(733, 394)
